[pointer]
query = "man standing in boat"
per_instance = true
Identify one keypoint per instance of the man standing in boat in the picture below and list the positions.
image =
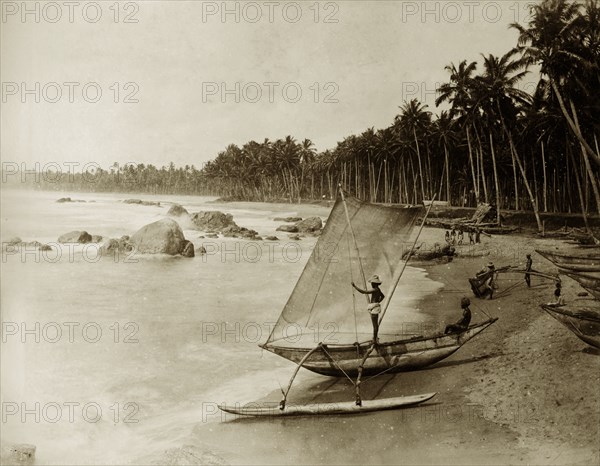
(374, 307)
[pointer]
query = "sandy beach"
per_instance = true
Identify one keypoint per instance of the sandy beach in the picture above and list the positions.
(525, 391)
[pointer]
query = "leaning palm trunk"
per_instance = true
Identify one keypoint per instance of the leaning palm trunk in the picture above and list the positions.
(471, 164)
(574, 127)
(581, 198)
(513, 149)
(588, 166)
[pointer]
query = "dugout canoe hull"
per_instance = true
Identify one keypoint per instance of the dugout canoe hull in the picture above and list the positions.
(395, 356)
(583, 322)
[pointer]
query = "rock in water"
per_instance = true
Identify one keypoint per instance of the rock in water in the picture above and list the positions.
(177, 211)
(309, 225)
(64, 199)
(272, 238)
(188, 249)
(21, 454)
(75, 237)
(287, 219)
(140, 202)
(15, 240)
(201, 250)
(288, 228)
(97, 239)
(161, 237)
(213, 221)
(116, 246)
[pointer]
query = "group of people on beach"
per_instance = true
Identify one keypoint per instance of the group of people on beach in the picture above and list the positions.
(457, 236)
(487, 274)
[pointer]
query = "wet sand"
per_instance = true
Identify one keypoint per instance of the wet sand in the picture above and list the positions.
(525, 391)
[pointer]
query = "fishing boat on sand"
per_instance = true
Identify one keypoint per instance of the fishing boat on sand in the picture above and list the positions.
(583, 322)
(575, 263)
(590, 282)
(357, 237)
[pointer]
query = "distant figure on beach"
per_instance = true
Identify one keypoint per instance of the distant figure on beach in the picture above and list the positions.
(374, 307)
(471, 237)
(487, 273)
(528, 266)
(462, 324)
(558, 299)
(460, 237)
(477, 236)
(447, 237)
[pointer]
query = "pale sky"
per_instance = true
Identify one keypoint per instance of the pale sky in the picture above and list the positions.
(181, 54)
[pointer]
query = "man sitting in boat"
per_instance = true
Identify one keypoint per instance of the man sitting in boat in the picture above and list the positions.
(462, 324)
(374, 307)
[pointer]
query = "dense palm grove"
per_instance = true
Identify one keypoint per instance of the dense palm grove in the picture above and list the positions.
(495, 143)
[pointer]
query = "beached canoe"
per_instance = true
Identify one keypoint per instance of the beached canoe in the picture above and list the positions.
(393, 356)
(345, 407)
(576, 263)
(589, 282)
(583, 322)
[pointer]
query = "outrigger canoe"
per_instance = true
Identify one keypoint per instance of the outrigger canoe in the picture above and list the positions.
(394, 356)
(587, 263)
(589, 282)
(583, 322)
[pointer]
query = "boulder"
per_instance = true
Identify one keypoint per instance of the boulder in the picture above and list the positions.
(161, 237)
(288, 228)
(140, 202)
(22, 454)
(15, 240)
(287, 219)
(239, 232)
(45, 247)
(211, 221)
(75, 237)
(212, 235)
(201, 250)
(64, 199)
(271, 238)
(112, 246)
(97, 239)
(188, 249)
(309, 225)
(177, 211)
(294, 237)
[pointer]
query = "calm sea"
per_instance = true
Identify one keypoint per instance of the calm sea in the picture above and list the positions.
(106, 361)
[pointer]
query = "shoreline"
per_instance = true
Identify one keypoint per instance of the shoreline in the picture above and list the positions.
(496, 396)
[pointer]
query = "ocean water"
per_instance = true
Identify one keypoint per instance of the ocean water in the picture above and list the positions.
(105, 361)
